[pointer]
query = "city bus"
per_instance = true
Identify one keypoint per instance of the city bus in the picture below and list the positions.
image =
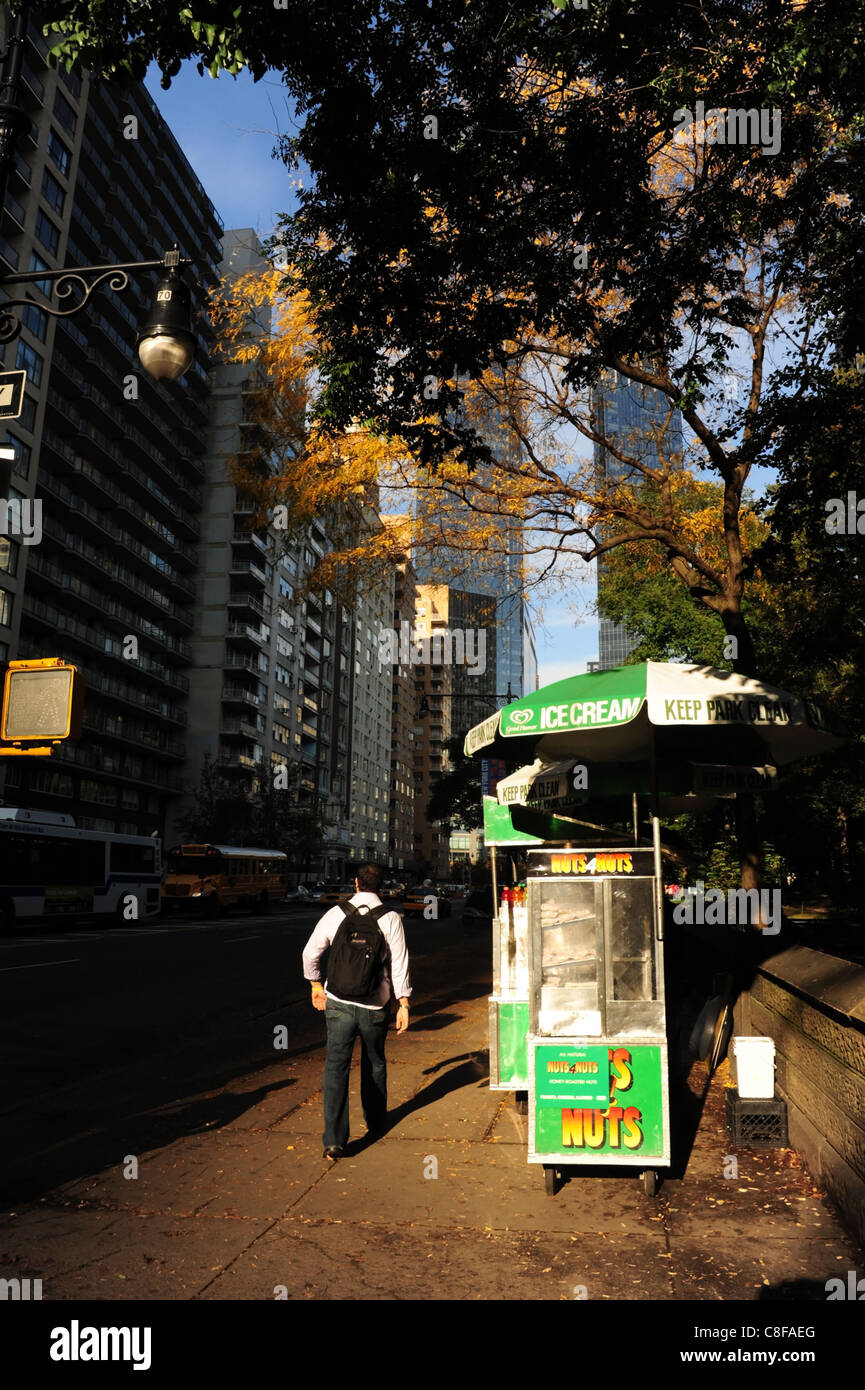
(211, 878)
(50, 871)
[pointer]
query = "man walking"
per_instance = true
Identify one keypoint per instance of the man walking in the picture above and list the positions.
(369, 961)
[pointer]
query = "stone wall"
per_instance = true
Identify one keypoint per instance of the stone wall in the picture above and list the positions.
(813, 1006)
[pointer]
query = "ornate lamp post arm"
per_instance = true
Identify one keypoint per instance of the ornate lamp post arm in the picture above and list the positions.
(86, 279)
(166, 343)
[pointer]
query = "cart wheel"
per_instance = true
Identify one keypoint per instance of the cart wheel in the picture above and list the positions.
(521, 1101)
(551, 1185)
(649, 1179)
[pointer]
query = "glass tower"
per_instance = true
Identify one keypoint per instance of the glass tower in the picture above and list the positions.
(635, 418)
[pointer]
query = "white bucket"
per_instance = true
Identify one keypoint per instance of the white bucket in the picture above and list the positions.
(755, 1067)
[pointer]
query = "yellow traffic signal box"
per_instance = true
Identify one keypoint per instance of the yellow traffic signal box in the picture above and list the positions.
(41, 700)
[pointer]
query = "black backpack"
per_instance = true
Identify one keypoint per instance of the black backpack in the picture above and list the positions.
(358, 954)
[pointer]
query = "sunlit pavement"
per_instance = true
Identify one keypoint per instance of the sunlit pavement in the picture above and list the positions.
(233, 1200)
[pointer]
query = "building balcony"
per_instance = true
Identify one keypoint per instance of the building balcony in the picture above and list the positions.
(235, 662)
(239, 565)
(13, 210)
(238, 762)
(99, 683)
(243, 536)
(245, 632)
(247, 600)
(241, 728)
(136, 735)
(100, 567)
(240, 694)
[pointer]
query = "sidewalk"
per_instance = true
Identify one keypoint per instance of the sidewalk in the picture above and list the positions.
(248, 1208)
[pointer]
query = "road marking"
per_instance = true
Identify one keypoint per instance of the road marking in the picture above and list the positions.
(42, 965)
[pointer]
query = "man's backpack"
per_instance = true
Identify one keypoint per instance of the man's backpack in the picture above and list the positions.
(358, 954)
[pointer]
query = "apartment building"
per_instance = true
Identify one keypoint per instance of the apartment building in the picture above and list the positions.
(403, 712)
(271, 680)
(371, 726)
(432, 729)
(114, 457)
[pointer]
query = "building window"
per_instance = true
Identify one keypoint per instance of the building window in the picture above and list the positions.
(64, 113)
(5, 608)
(22, 454)
(43, 286)
(58, 152)
(52, 192)
(8, 556)
(27, 418)
(36, 320)
(47, 233)
(28, 358)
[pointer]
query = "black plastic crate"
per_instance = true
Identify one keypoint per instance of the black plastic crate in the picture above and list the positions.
(756, 1124)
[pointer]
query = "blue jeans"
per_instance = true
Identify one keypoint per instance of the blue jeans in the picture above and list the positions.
(343, 1022)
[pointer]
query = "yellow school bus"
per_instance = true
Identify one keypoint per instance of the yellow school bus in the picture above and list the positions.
(211, 878)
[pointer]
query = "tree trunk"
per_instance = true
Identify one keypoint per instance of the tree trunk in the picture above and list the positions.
(744, 662)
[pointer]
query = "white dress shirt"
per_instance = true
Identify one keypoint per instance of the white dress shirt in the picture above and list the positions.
(396, 967)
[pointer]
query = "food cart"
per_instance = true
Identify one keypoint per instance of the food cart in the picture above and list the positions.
(596, 1048)
(509, 1001)
(597, 1044)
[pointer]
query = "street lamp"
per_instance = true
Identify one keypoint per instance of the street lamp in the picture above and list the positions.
(166, 343)
(424, 708)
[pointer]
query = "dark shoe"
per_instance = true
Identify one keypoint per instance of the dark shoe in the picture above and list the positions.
(333, 1153)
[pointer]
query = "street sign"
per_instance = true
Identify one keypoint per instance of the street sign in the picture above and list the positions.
(41, 700)
(11, 394)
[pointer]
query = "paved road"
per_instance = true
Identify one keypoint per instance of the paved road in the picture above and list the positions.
(101, 1018)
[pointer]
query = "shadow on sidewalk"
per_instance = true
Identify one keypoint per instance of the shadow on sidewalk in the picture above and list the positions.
(95, 1152)
(472, 1068)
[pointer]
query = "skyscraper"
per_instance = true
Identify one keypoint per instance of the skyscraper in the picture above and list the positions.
(633, 417)
(280, 680)
(496, 572)
(112, 456)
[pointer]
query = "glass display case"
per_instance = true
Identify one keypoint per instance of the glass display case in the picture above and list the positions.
(597, 1044)
(594, 949)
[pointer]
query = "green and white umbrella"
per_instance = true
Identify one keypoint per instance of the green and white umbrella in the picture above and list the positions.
(681, 714)
(561, 786)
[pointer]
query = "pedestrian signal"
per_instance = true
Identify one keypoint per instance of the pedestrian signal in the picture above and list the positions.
(41, 700)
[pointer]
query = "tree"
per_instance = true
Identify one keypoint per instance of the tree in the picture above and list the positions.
(533, 198)
(455, 797)
(806, 581)
(219, 811)
(526, 192)
(255, 811)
